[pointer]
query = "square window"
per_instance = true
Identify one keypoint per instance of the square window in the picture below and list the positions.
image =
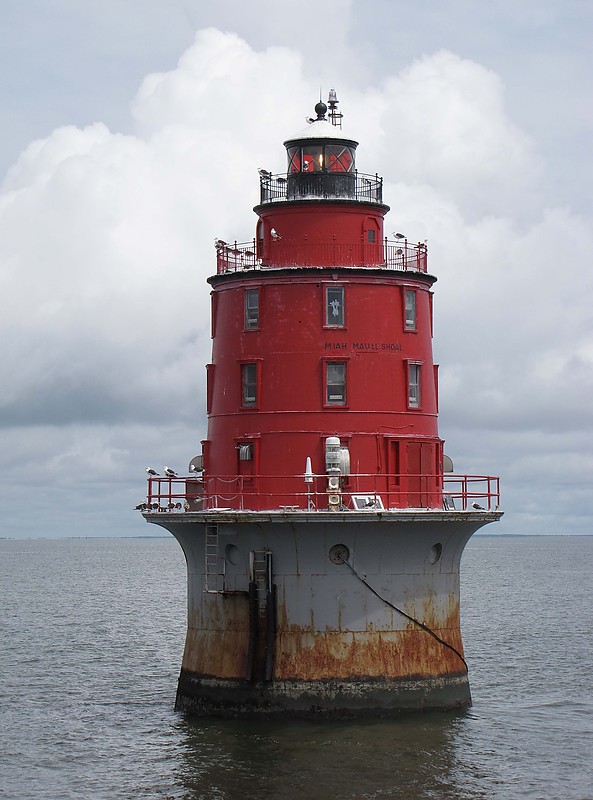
(334, 306)
(414, 373)
(251, 309)
(410, 309)
(249, 384)
(335, 383)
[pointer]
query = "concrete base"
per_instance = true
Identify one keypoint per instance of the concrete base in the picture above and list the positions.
(215, 697)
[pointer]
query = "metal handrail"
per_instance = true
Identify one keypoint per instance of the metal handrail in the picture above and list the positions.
(325, 185)
(388, 254)
(238, 492)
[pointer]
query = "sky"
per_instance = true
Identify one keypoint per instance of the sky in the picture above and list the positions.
(131, 136)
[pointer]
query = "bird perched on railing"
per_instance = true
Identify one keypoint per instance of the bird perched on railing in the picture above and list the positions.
(264, 173)
(219, 244)
(152, 472)
(170, 473)
(478, 507)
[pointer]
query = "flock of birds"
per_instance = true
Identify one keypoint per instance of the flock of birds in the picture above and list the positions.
(156, 507)
(170, 473)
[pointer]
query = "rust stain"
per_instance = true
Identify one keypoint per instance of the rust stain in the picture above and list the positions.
(217, 643)
(305, 654)
(218, 637)
(216, 653)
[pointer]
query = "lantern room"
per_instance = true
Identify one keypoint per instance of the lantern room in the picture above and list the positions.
(321, 162)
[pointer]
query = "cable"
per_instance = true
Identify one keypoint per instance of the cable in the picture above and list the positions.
(407, 616)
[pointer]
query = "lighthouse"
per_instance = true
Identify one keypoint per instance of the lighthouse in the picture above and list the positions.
(322, 523)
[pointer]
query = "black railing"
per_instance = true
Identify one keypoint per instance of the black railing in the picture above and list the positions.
(325, 185)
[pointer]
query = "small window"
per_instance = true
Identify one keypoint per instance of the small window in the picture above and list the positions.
(249, 384)
(410, 309)
(209, 386)
(414, 372)
(371, 236)
(335, 383)
(334, 306)
(251, 309)
(339, 158)
(294, 158)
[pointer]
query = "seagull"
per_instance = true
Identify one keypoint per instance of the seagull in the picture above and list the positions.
(141, 507)
(218, 243)
(274, 234)
(264, 173)
(170, 473)
(399, 236)
(150, 471)
(478, 507)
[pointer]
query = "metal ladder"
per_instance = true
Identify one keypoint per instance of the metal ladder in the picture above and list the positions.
(260, 572)
(214, 566)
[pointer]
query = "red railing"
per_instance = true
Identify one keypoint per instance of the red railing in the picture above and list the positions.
(396, 255)
(357, 492)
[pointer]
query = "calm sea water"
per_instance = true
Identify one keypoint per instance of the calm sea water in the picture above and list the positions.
(92, 635)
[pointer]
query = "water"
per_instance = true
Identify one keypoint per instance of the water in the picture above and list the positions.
(92, 636)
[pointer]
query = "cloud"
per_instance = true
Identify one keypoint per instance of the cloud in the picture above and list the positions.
(106, 241)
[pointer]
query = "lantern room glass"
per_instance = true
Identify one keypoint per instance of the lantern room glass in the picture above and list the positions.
(319, 157)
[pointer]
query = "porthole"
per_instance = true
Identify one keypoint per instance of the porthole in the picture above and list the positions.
(232, 554)
(339, 554)
(435, 552)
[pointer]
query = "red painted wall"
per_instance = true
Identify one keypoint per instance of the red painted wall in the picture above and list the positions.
(314, 233)
(290, 348)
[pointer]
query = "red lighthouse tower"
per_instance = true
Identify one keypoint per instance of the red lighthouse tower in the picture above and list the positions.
(323, 536)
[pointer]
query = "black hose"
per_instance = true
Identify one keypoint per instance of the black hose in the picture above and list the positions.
(407, 616)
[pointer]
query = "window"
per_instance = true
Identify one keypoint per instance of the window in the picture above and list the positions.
(209, 386)
(334, 306)
(371, 236)
(414, 373)
(320, 158)
(335, 383)
(249, 384)
(214, 314)
(410, 310)
(294, 159)
(251, 309)
(340, 158)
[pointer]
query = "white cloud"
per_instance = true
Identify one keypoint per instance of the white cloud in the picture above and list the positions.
(106, 240)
